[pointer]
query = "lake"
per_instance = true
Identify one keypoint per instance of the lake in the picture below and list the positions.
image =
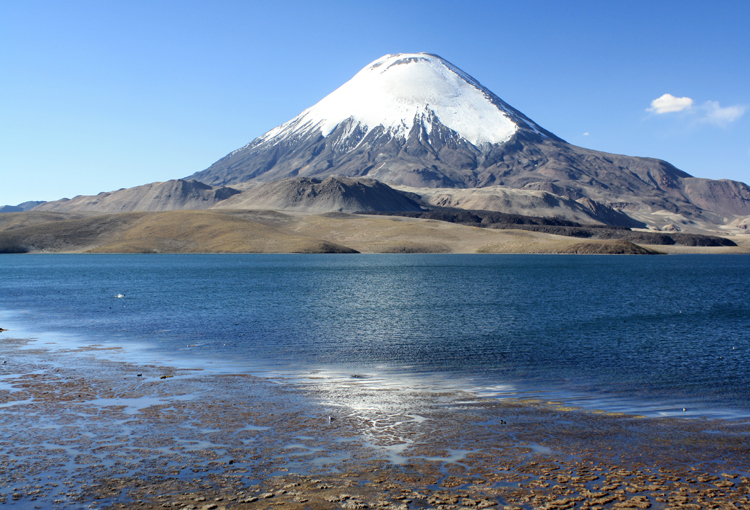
(644, 335)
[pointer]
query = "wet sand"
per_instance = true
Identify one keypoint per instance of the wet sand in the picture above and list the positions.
(81, 431)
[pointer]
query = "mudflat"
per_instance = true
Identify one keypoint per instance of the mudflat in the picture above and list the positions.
(84, 427)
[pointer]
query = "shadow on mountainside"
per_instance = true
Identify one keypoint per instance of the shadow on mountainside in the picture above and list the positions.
(498, 220)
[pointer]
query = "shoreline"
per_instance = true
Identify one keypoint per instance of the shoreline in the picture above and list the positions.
(377, 378)
(78, 429)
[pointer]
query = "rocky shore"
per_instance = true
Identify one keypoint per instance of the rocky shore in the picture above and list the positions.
(82, 429)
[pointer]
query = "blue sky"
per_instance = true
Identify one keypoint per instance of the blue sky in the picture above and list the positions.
(101, 95)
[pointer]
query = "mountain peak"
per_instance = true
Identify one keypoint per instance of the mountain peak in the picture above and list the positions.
(397, 91)
(415, 119)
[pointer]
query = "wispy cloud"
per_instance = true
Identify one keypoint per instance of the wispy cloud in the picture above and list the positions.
(586, 133)
(669, 103)
(715, 114)
(710, 112)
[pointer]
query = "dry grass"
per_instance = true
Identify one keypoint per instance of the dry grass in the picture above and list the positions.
(230, 231)
(165, 232)
(12, 221)
(210, 232)
(383, 234)
(54, 232)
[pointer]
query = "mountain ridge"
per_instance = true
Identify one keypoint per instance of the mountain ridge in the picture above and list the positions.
(170, 195)
(429, 151)
(418, 123)
(333, 194)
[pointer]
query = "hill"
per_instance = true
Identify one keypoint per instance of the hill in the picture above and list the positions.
(158, 196)
(333, 194)
(165, 232)
(242, 231)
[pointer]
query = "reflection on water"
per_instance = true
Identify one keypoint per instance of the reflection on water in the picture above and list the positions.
(649, 335)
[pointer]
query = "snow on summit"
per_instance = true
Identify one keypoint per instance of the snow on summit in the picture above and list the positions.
(395, 91)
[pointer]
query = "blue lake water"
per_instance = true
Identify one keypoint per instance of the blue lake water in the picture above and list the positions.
(648, 335)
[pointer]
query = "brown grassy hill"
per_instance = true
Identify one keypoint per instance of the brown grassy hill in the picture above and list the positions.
(62, 232)
(167, 232)
(243, 231)
(10, 221)
(392, 234)
(208, 232)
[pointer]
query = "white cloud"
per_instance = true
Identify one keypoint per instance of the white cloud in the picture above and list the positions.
(715, 114)
(669, 103)
(586, 133)
(711, 112)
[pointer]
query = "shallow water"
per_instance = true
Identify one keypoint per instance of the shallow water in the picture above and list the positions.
(645, 335)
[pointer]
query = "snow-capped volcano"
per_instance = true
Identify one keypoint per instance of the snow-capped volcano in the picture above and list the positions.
(414, 119)
(396, 91)
(410, 118)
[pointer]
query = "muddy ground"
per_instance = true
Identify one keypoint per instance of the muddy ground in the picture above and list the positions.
(81, 428)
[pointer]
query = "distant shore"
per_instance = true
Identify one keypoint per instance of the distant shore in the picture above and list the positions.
(242, 231)
(80, 429)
